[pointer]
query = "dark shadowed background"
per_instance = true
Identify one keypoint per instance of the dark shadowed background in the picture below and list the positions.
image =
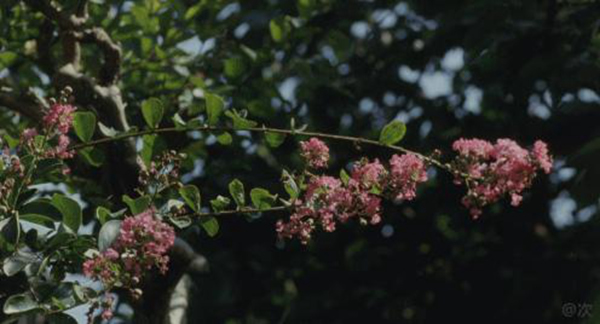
(525, 70)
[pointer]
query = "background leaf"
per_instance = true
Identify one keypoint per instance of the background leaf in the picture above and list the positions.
(152, 110)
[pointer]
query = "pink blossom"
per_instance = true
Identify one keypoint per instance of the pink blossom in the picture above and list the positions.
(473, 147)
(61, 151)
(541, 156)
(494, 171)
(327, 202)
(367, 174)
(28, 135)
(142, 244)
(315, 152)
(406, 171)
(59, 117)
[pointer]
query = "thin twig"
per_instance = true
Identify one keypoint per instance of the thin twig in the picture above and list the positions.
(238, 211)
(207, 128)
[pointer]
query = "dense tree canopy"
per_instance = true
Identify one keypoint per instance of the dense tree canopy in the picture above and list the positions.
(524, 70)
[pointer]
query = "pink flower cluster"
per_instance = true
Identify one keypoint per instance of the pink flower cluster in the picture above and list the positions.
(491, 171)
(57, 123)
(406, 171)
(328, 200)
(142, 244)
(59, 117)
(315, 152)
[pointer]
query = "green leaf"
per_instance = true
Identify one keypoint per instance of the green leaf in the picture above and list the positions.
(220, 203)
(214, 107)
(152, 110)
(262, 199)
(103, 214)
(290, 185)
(38, 219)
(280, 28)
(11, 141)
(234, 67)
(193, 11)
(84, 123)
(152, 145)
(239, 122)
(107, 131)
(236, 189)
(21, 303)
(274, 139)
(225, 138)
(181, 221)
(306, 7)
(108, 234)
(70, 210)
(191, 195)
(138, 205)
(178, 121)
(392, 133)
(7, 58)
(17, 262)
(92, 156)
(210, 225)
(344, 177)
(40, 207)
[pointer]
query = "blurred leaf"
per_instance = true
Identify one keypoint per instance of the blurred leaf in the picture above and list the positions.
(214, 107)
(234, 67)
(7, 58)
(274, 139)
(92, 156)
(239, 122)
(280, 28)
(224, 138)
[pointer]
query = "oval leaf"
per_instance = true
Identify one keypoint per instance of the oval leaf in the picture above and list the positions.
(236, 189)
(210, 225)
(191, 195)
(19, 304)
(152, 110)
(138, 205)
(225, 138)
(214, 107)
(274, 139)
(108, 234)
(220, 203)
(84, 123)
(262, 199)
(70, 210)
(392, 133)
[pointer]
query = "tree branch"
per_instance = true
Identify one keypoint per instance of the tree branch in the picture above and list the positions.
(22, 105)
(63, 19)
(112, 53)
(206, 128)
